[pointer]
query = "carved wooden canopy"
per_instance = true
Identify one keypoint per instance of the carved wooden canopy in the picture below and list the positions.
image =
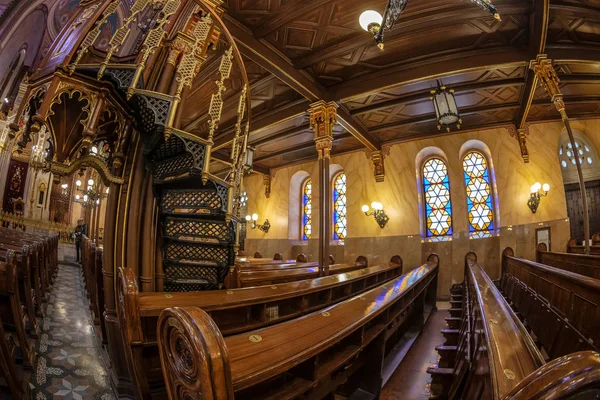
(298, 52)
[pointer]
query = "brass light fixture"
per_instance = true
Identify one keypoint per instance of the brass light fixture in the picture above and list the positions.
(252, 220)
(446, 110)
(372, 21)
(377, 213)
(537, 192)
(91, 195)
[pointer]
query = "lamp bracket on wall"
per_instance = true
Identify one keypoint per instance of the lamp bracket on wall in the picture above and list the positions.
(537, 192)
(380, 216)
(252, 220)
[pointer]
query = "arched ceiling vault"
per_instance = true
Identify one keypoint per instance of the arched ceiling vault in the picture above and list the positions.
(300, 51)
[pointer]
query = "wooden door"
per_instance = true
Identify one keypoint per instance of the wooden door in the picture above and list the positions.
(575, 208)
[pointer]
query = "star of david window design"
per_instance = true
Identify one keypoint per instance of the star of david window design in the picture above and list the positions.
(307, 210)
(438, 208)
(339, 208)
(479, 193)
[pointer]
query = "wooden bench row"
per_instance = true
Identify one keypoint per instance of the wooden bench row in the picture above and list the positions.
(261, 274)
(234, 310)
(490, 353)
(91, 263)
(560, 307)
(28, 263)
(583, 264)
(339, 349)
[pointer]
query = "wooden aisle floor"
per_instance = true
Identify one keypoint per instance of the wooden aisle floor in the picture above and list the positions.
(410, 381)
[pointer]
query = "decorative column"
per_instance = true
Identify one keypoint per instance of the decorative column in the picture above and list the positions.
(323, 117)
(544, 71)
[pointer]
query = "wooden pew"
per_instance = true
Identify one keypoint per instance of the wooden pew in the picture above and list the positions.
(269, 274)
(573, 247)
(47, 254)
(13, 377)
(234, 311)
(338, 350)
(10, 307)
(562, 308)
(37, 267)
(496, 358)
(582, 264)
(23, 259)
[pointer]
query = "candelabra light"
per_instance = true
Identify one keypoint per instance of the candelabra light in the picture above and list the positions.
(252, 221)
(537, 192)
(377, 213)
(91, 195)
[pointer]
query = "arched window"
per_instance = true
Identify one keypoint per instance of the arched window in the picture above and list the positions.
(478, 185)
(438, 209)
(307, 210)
(339, 207)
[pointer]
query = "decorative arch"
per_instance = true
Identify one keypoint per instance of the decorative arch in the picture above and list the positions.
(295, 204)
(588, 157)
(87, 161)
(480, 188)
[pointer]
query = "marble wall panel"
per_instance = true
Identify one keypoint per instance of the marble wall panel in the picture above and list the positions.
(400, 195)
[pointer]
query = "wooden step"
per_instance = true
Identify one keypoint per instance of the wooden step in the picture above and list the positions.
(455, 304)
(455, 312)
(447, 354)
(453, 322)
(451, 336)
(440, 372)
(456, 297)
(441, 382)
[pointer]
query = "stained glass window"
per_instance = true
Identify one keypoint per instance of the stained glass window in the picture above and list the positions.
(479, 193)
(339, 207)
(307, 210)
(438, 210)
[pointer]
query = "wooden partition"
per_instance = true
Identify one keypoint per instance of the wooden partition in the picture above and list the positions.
(234, 311)
(496, 357)
(339, 349)
(583, 264)
(562, 308)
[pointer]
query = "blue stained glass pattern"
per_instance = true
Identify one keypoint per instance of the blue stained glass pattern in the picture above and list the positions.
(339, 207)
(307, 210)
(479, 193)
(438, 209)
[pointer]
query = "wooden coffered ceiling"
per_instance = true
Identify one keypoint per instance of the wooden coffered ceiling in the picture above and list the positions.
(300, 51)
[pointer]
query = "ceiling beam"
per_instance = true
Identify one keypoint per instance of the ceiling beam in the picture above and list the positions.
(432, 117)
(274, 62)
(281, 135)
(425, 94)
(288, 12)
(300, 147)
(537, 45)
(357, 130)
(429, 69)
(266, 120)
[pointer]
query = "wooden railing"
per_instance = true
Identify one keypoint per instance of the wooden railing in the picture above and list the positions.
(338, 349)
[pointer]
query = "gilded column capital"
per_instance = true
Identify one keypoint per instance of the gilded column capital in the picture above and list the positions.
(323, 117)
(547, 76)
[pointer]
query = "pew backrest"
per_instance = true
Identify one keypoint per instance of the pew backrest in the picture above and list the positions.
(218, 367)
(583, 264)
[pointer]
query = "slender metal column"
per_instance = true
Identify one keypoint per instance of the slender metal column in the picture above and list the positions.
(323, 117)
(544, 70)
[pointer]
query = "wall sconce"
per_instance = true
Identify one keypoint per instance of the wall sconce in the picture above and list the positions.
(252, 219)
(537, 192)
(378, 213)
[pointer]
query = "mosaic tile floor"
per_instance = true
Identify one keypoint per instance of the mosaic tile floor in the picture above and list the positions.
(69, 364)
